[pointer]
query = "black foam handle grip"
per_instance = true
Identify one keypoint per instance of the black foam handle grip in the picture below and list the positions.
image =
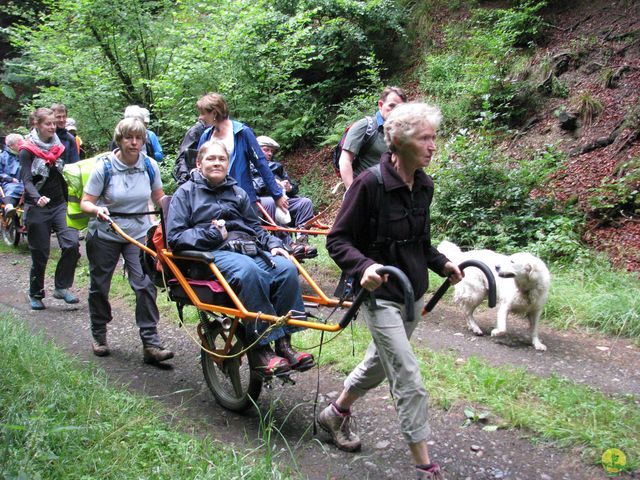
(363, 293)
(491, 300)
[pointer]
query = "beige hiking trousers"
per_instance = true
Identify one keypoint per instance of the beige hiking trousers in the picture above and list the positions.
(390, 356)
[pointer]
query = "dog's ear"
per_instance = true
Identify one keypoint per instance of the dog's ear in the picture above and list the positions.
(528, 267)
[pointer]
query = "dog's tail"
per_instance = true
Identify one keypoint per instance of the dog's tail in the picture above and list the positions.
(450, 250)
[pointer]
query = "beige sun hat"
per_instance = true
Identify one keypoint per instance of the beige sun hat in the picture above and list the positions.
(265, 141)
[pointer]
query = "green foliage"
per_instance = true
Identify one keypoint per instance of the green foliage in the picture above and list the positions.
(60, 421)
(281, 65)
(471, 75)
(363, 103)
(519, 26)
(484, 201)
(312, 186)
(590, 293)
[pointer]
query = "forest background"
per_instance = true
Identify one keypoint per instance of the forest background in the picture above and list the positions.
(539, 150)
(539, 147)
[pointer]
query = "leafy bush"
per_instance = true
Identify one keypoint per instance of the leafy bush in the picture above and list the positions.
(282, 65)
(618, 195)
(483, 201)
(472, 73)
(313, 186)
(364, 102)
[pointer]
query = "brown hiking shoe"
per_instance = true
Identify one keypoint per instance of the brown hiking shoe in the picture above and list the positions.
(155, 355)
(338, 425)
(100, 348)
(299, 361)
(431, 471)
(268, 363)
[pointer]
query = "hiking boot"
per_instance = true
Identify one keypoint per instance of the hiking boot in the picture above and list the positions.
(100, 348)
(338, 425)
(431, 471)
(299, 361)
(36, 303)
(302, 251)
(154, 355)
(268, 363)
(66, 295)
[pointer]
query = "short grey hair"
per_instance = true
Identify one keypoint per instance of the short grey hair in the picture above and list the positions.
(134, 111)
(404, 121)
(12, 139)
(208, 144)
(127, 127)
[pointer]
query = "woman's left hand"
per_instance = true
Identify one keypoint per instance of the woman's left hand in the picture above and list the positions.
(280, 251)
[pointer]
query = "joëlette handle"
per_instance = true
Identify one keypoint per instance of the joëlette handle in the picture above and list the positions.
(447, 283)
(363, 293)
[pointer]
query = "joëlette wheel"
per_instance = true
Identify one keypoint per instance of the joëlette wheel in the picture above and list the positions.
(233, 383)
(10, 233)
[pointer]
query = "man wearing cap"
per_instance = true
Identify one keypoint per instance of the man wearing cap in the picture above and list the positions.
(71, 128)
(300, 208)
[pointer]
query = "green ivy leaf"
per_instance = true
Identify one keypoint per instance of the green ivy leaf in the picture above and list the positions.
(8, 91)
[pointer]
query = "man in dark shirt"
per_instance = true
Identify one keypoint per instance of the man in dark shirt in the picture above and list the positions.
(300, 208)
(368, 151)
(186, 159)
(70, 154)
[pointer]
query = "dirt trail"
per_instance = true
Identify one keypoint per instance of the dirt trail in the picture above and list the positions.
(465, 453)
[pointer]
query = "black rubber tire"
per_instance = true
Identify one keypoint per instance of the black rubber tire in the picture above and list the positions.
(10, 233)
(235, 385)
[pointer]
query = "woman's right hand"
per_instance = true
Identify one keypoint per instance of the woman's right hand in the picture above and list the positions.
(370, 279)
(102, 213)
(220, 225)
(42, 201)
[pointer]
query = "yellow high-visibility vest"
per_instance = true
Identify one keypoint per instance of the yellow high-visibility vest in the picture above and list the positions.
(77, 175)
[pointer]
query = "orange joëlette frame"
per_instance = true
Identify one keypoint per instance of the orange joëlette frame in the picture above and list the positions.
(168, 258)
(311, 227)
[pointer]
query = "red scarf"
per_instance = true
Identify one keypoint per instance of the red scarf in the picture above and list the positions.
(49, 157)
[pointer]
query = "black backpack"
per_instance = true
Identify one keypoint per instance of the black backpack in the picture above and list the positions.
(372, 128)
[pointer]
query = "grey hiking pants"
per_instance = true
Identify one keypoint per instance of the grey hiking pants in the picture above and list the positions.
(103, 258)
(390, 356)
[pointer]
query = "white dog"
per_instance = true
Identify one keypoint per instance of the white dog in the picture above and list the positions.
(522, 286)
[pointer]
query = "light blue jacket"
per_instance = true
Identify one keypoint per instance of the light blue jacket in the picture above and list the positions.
(246, 150)
(10, 169)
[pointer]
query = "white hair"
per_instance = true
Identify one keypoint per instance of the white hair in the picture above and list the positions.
(134, 111)
(406, 119)
(12, 139)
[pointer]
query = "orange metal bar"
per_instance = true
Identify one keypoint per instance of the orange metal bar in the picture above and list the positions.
(273, 226)
(167, 257)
